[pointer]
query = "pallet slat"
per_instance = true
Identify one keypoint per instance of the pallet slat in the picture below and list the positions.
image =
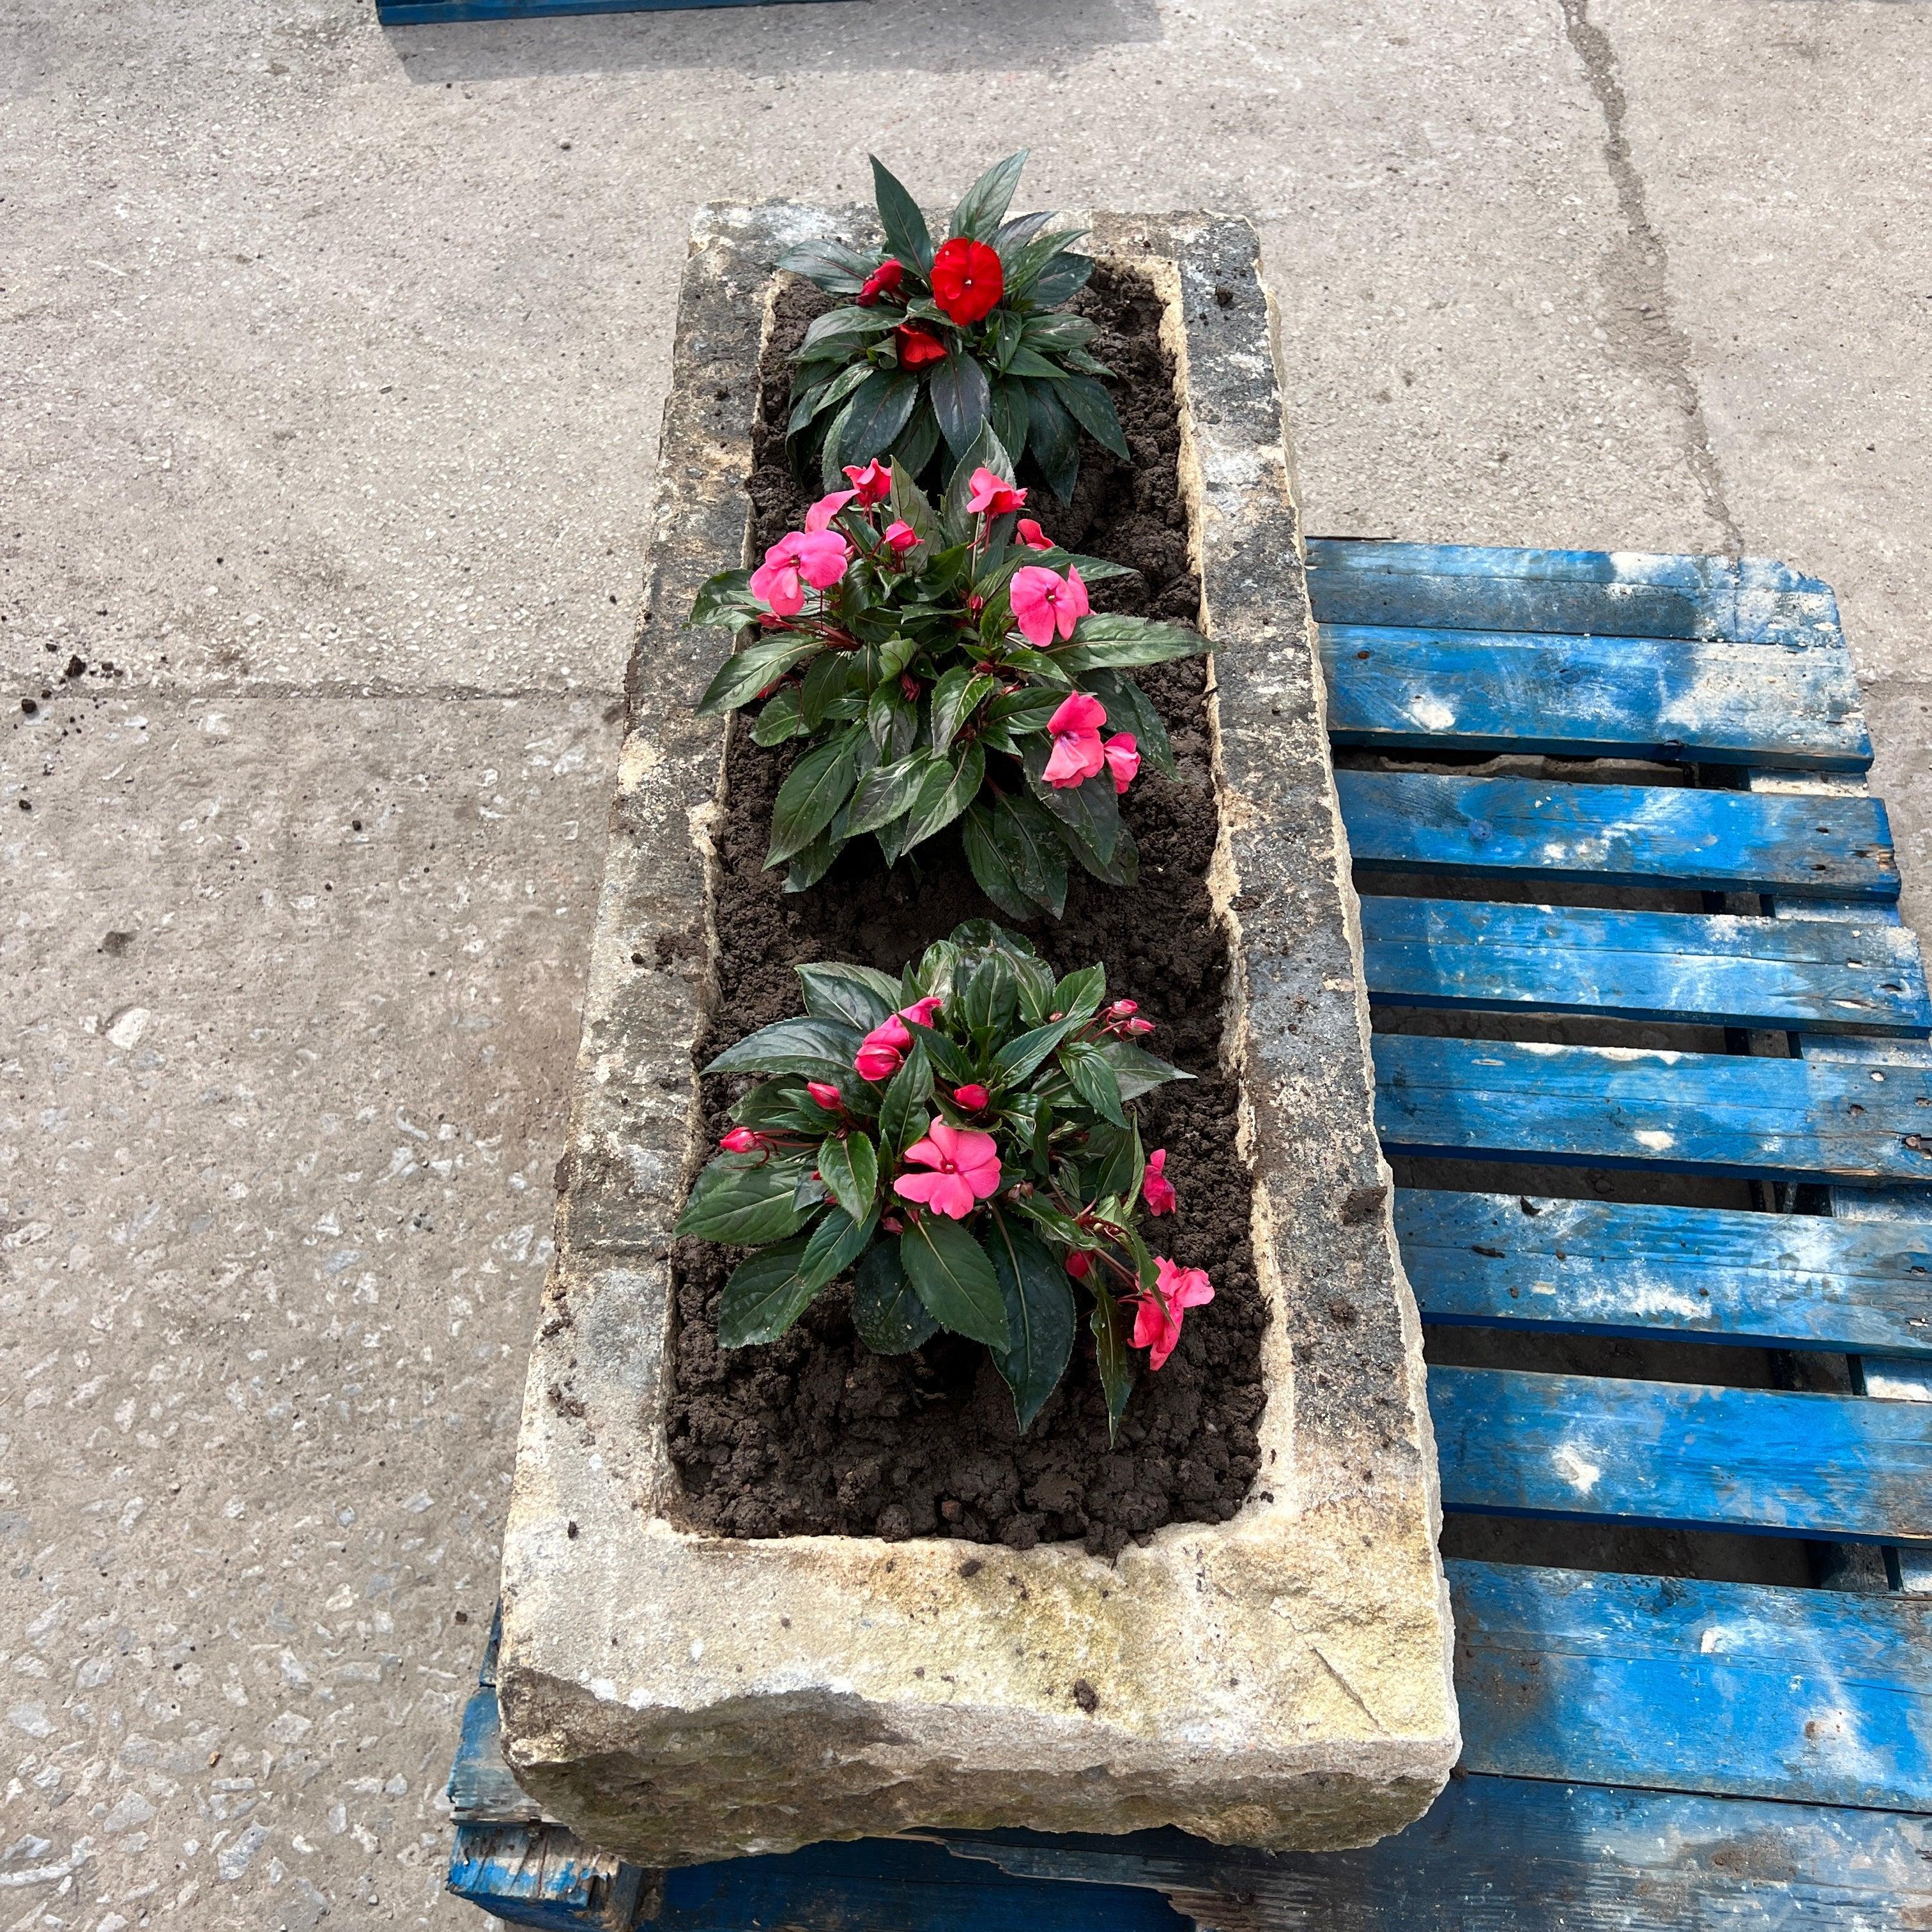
(1688, 1113)
(1683, 1455)
(1783, 1281)
(1615, 593)
(1816, 1696)
(1819, 976)
(1604, 834)
(1524, 1854)
(433, 12)
(1714, 701)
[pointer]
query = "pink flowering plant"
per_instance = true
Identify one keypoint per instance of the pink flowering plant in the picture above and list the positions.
(944, 665)
(936, 342)
(961, 1141)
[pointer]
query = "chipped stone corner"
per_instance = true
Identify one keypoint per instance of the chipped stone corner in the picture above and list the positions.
(1281, 1680)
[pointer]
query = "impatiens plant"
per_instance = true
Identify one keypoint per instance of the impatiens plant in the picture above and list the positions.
(935, 342)
(962, 1141)
(944, 665)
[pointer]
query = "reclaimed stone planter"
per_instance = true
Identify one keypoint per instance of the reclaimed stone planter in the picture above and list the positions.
(1282, 1679)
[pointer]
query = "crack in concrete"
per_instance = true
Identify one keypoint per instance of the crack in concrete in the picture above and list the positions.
(1635, 278)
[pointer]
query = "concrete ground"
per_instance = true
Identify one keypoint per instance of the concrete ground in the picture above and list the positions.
(331, 366)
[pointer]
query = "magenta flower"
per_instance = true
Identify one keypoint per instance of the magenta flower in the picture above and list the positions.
(1157, 1316)
(1031, 534)
(900, 537)
(973, 1097)
(1043, 603)
(1156, 1188)
(1123, 759)
(920, 1013)
(816, 557)
(1079, 1265)
(741, 1140)
(825, 1094)
(966, 1171)
(871, 484)
(1075, 729)
(993, 495)
(882, 1052)
(819, 517)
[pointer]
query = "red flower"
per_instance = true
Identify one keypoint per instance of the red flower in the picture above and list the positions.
(742, 1140)
(973, 1096)
(917, 346)
(883, 281)
(967, 279)
(871, 484)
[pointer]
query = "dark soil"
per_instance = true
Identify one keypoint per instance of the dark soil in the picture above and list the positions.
(815, 1434)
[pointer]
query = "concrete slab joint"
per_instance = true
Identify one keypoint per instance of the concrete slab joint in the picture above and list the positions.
(1282, 1679)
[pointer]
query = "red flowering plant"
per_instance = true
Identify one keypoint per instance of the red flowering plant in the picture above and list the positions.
(934, 342)
(961, 1141)
(944, 665)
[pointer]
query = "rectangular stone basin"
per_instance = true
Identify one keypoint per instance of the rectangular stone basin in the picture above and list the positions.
(1281, 1679)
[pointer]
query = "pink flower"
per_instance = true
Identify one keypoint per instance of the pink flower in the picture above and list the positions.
(993, 496)
(819, 517)
(871, 484)
(1123, 1010)
(882, 1052)
(1157, 1316)
(972, 1097)
(900, 537)
(920, 1013)
(825, 1094)
(966, 1168)
(1156, 1188)
(741, 1140)
(1075, 729)
(1123, 759)
(818, 557)
(1033, 536)
(1132, 1026)
(1043, 603)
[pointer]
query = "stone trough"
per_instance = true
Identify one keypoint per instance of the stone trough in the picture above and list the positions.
(1278, 1680)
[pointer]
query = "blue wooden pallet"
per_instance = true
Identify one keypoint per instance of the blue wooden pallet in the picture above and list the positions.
(1640, 1751)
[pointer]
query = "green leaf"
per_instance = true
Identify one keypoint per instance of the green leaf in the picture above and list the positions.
(951, 1274)
(879, 410)
(743, 1200)
(1008, 414)
(906, 1093)
(987, 451)
(835, 1244)
(1032, 850)
(746, 672)
(818, 1049)
(1129, 709)
(1093, 409)
(1020, 230)
(988, 995)
(816, 786)
(779, 720)
(1029, 260)
(886, 1311)
(1107, 641)
(961, 394)
(916, 442)
(909, 504)
(1122, 1162)
(827, 395)
(1053, 439)
(945, 793)
(957, 695)
(983, 206)
(1029, 362)
(811, 864)
(725, 597)
(891, 722)
(888, 791)
(850, 1168)
(765, 1294)
(1093, 1080)
(836, 269)
(1062, 279)
(904, 225)
(1136, 1072)
(1111, 1330)
(1079, 994)
(1052, 333)
(824, 685)
(1044, 1215)
(1009, 331)
(836, 325)
(990, 872)
(1039, 1316)
(1020, 1057)
(856, 995)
